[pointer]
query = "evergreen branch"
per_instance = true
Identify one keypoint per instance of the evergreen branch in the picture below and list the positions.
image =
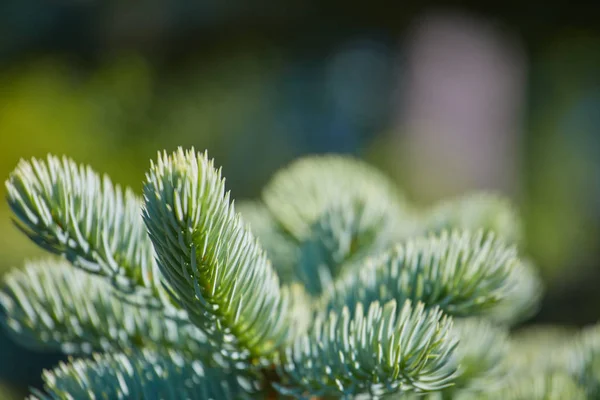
(49, 305)
(144, 375)
(481, 361)
(383, 317)
(485, 211)
(69, 210)
(376, 352)
(299, 194)
(211, 260)
(463, 273)
(344, 235)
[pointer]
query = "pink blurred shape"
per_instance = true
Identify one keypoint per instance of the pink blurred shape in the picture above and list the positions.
(462, 105)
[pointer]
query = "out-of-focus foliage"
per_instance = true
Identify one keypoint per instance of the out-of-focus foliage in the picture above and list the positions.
(563, 161)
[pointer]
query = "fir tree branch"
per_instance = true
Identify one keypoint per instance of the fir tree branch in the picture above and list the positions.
(163, 375)
(473, 211)
(69, 210)
(383, 323)
(376, 352)
(212, 262)
(463, 273)
(298, 195)
(344, 235)
(323, 231)
(49, 305)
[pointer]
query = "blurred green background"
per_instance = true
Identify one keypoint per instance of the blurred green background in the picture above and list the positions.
(445, 97)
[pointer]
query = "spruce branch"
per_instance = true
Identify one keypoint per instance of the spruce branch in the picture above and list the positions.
(69, 210)
(480, 359)
(344, 235)
(49, 305)
(383, 316)
(474, 211)
(463, 273)
(211, 261)
(377, 351)
(165, 375)
(298, 195)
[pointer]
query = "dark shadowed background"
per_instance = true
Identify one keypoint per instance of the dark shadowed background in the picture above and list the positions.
(445, 97)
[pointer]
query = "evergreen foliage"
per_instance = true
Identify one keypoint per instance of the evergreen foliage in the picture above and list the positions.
(329, 286)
